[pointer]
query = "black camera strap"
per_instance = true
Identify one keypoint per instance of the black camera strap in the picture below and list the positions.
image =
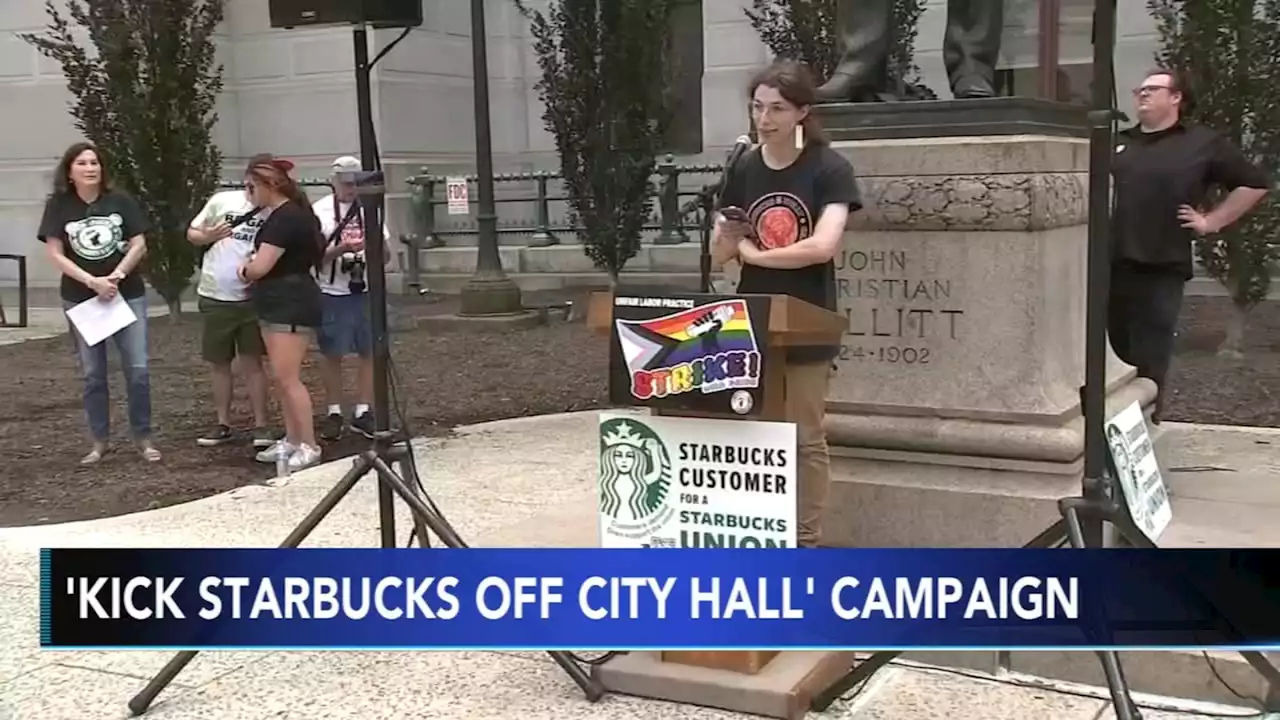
(336, 235)
(236, 222)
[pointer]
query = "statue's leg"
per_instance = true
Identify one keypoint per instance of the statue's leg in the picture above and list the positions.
(864, 47)
(971, 47)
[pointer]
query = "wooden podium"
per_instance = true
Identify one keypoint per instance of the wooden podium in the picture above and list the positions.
(760, 682)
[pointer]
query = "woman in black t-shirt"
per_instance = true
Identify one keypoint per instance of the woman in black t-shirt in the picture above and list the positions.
(286, 298)
(94, 235)
(785, 206)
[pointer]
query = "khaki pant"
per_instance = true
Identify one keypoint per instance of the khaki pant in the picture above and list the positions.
(806, 400)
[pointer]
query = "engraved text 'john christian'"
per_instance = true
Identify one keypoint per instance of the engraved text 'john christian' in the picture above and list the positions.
(893, 315)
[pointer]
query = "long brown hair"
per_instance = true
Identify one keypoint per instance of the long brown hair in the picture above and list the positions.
(794, 83)
(271, 173)
(62, 184)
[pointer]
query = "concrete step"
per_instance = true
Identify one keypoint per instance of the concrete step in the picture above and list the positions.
(452, 283)
(466, 236)
(562, 259)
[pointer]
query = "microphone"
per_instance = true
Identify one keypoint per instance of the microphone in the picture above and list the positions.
(742, 145)
(740, 148)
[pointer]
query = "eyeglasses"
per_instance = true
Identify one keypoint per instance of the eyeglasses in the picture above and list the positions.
(1149, 89)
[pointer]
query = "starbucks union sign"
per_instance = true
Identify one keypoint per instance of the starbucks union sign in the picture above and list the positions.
(693, 482)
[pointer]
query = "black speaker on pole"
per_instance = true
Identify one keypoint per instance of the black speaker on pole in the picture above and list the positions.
(291, 14)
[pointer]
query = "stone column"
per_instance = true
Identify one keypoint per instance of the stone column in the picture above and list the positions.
(954, 417)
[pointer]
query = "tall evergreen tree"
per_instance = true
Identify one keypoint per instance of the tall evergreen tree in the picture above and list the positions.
(605, 86)
(144, 90)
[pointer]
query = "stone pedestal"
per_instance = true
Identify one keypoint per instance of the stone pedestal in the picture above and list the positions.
(954, 417)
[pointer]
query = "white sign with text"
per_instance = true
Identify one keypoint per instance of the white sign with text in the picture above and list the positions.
(1139, 472)
(458, 191)
(694, 482)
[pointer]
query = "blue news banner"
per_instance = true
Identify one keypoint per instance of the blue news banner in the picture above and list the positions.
(659, 599)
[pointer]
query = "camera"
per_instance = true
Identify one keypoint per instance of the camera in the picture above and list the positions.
(353, 264)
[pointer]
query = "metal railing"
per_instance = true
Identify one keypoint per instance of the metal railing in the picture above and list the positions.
(683, 207)
(671, 222)
(21, 262)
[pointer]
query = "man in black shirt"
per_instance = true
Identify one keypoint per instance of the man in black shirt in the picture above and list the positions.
(1163, 169)
(793, 197)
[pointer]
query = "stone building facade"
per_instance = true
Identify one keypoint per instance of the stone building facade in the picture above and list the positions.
(293, 92)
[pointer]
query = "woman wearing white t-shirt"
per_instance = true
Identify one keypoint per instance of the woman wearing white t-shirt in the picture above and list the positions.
(227, 226)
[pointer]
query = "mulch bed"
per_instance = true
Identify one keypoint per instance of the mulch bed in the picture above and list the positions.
(1207, 388)
(444, 381)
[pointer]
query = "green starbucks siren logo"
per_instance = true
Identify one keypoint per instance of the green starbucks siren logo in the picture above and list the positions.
(635, 470)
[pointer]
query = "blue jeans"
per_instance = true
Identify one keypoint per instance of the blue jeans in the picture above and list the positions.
(345, 329)
(131, 343)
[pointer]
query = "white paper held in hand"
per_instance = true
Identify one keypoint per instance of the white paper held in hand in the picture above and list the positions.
(97, 319)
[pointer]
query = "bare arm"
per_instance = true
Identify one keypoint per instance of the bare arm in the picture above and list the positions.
(58, 254)
(333, 251)
(1233, 207)
(816, 249)
(724, 243)
(263, 260)
(137, 251)
(200, 237)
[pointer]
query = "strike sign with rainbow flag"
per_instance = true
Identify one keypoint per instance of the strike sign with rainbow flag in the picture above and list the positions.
(688, 352)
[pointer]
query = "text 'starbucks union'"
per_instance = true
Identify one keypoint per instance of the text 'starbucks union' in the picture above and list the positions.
(732, 469)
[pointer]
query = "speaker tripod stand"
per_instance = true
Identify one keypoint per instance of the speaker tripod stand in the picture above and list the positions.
(378, 459)
(1100, 503)
(384, 451)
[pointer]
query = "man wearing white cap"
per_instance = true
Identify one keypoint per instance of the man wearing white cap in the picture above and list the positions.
(345, 330)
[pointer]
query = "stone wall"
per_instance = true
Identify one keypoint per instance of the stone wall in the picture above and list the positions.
(293, 93)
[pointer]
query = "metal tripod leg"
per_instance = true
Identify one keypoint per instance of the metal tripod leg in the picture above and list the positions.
(142, 701)
(402, 455)
(1256, 660)
(1121, 700)
(1052, 536)
(591, 687)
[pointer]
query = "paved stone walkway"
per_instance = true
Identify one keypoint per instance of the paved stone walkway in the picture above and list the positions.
(517, 483)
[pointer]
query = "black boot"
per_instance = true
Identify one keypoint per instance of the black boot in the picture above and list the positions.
(863, 29)
(971, 46)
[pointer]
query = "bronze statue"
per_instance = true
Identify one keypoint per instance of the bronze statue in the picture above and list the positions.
(970, 49)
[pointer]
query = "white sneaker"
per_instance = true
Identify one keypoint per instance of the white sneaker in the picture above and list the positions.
(304, 457)
(281, 448)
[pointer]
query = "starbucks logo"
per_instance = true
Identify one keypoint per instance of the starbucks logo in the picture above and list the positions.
(635, 470)
(96, 238)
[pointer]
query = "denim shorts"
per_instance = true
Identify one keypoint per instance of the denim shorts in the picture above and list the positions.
(345, 327)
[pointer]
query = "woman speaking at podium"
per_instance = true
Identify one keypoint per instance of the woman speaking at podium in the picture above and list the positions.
(784, 208)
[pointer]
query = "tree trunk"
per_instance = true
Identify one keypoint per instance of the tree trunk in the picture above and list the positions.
(1233, 344)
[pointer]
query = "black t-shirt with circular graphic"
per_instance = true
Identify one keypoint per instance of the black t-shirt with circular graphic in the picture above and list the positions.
(783, 207)
(95, 236)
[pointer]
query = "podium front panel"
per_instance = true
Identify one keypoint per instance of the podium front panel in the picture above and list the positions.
(688, 352)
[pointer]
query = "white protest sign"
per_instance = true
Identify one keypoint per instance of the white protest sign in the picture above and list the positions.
(1139, 472)
(458, 192)
(693, 482)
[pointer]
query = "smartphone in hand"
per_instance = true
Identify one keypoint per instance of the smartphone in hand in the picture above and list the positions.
(738, 215)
